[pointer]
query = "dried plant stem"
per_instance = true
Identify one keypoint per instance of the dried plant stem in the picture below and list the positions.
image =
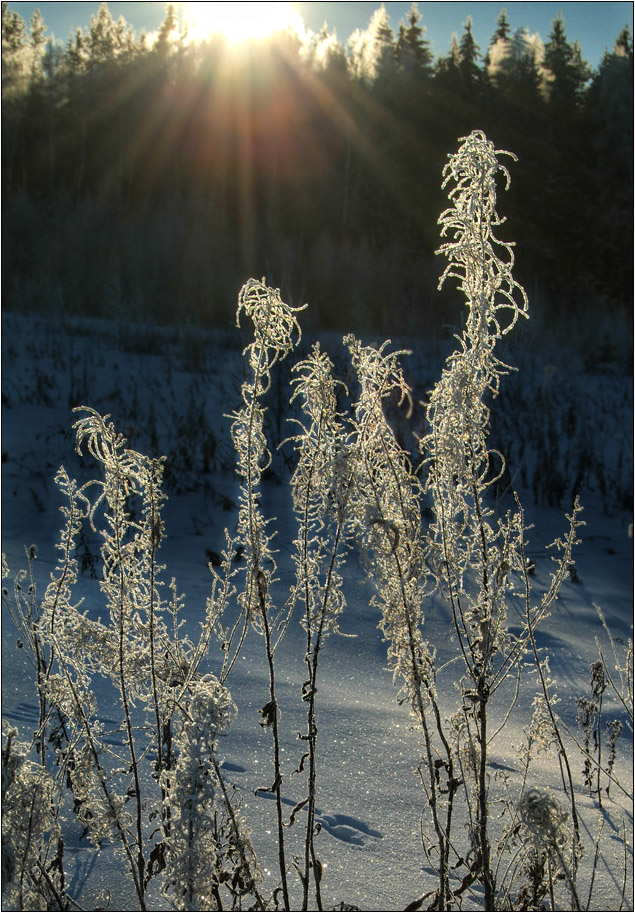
(562, 754)
(130, 740)
(245, 866)
(277, 770)
(163, 744)
(314, 646)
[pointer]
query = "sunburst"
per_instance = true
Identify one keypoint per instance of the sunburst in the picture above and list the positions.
(239, 22)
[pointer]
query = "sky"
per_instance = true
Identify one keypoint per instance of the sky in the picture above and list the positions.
(595, 25)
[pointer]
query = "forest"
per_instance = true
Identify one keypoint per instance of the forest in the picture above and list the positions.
(147, 176)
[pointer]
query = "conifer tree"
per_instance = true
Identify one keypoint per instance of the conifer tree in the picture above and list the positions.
(75, 52)
(567, 72)
(167, 30)
(373, 51)
(101, 36)
(500, 40)
(513, 70)
(503, 28)
(108, 39)
(15, 82)
(36, 42)
(14, 36)
(609, 108)
(327, 54)
(448, 69)
(624, 44)
(471, 73)
(413, 50)
(53, 58)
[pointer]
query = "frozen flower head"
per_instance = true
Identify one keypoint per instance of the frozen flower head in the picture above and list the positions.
(543, 816)
(484, 277)
(274, 323)
(315, 385)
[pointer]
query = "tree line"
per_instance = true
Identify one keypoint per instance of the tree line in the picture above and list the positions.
(150, 175)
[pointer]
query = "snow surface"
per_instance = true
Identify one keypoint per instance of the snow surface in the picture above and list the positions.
(369, 799)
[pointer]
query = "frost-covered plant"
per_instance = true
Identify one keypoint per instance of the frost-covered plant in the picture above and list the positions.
(116, 777)
(208, 849)
(618, 669)
(388, 520)
(322, 488)
(134, 650)
(152, 783)
(613, 675)
(274, 325)
(473, 553)
(589, 718)
(543, 817)
(32, 874)
(476, 558)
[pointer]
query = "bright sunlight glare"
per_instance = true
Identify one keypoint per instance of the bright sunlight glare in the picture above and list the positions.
(241, 21)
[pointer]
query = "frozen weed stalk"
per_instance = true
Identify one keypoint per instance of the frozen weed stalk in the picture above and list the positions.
(31, 856)
(322, 487)
(275, 325)
(206, 850)
(475, 556)
(545, 828)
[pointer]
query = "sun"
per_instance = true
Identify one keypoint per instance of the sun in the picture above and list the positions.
(238, 22)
